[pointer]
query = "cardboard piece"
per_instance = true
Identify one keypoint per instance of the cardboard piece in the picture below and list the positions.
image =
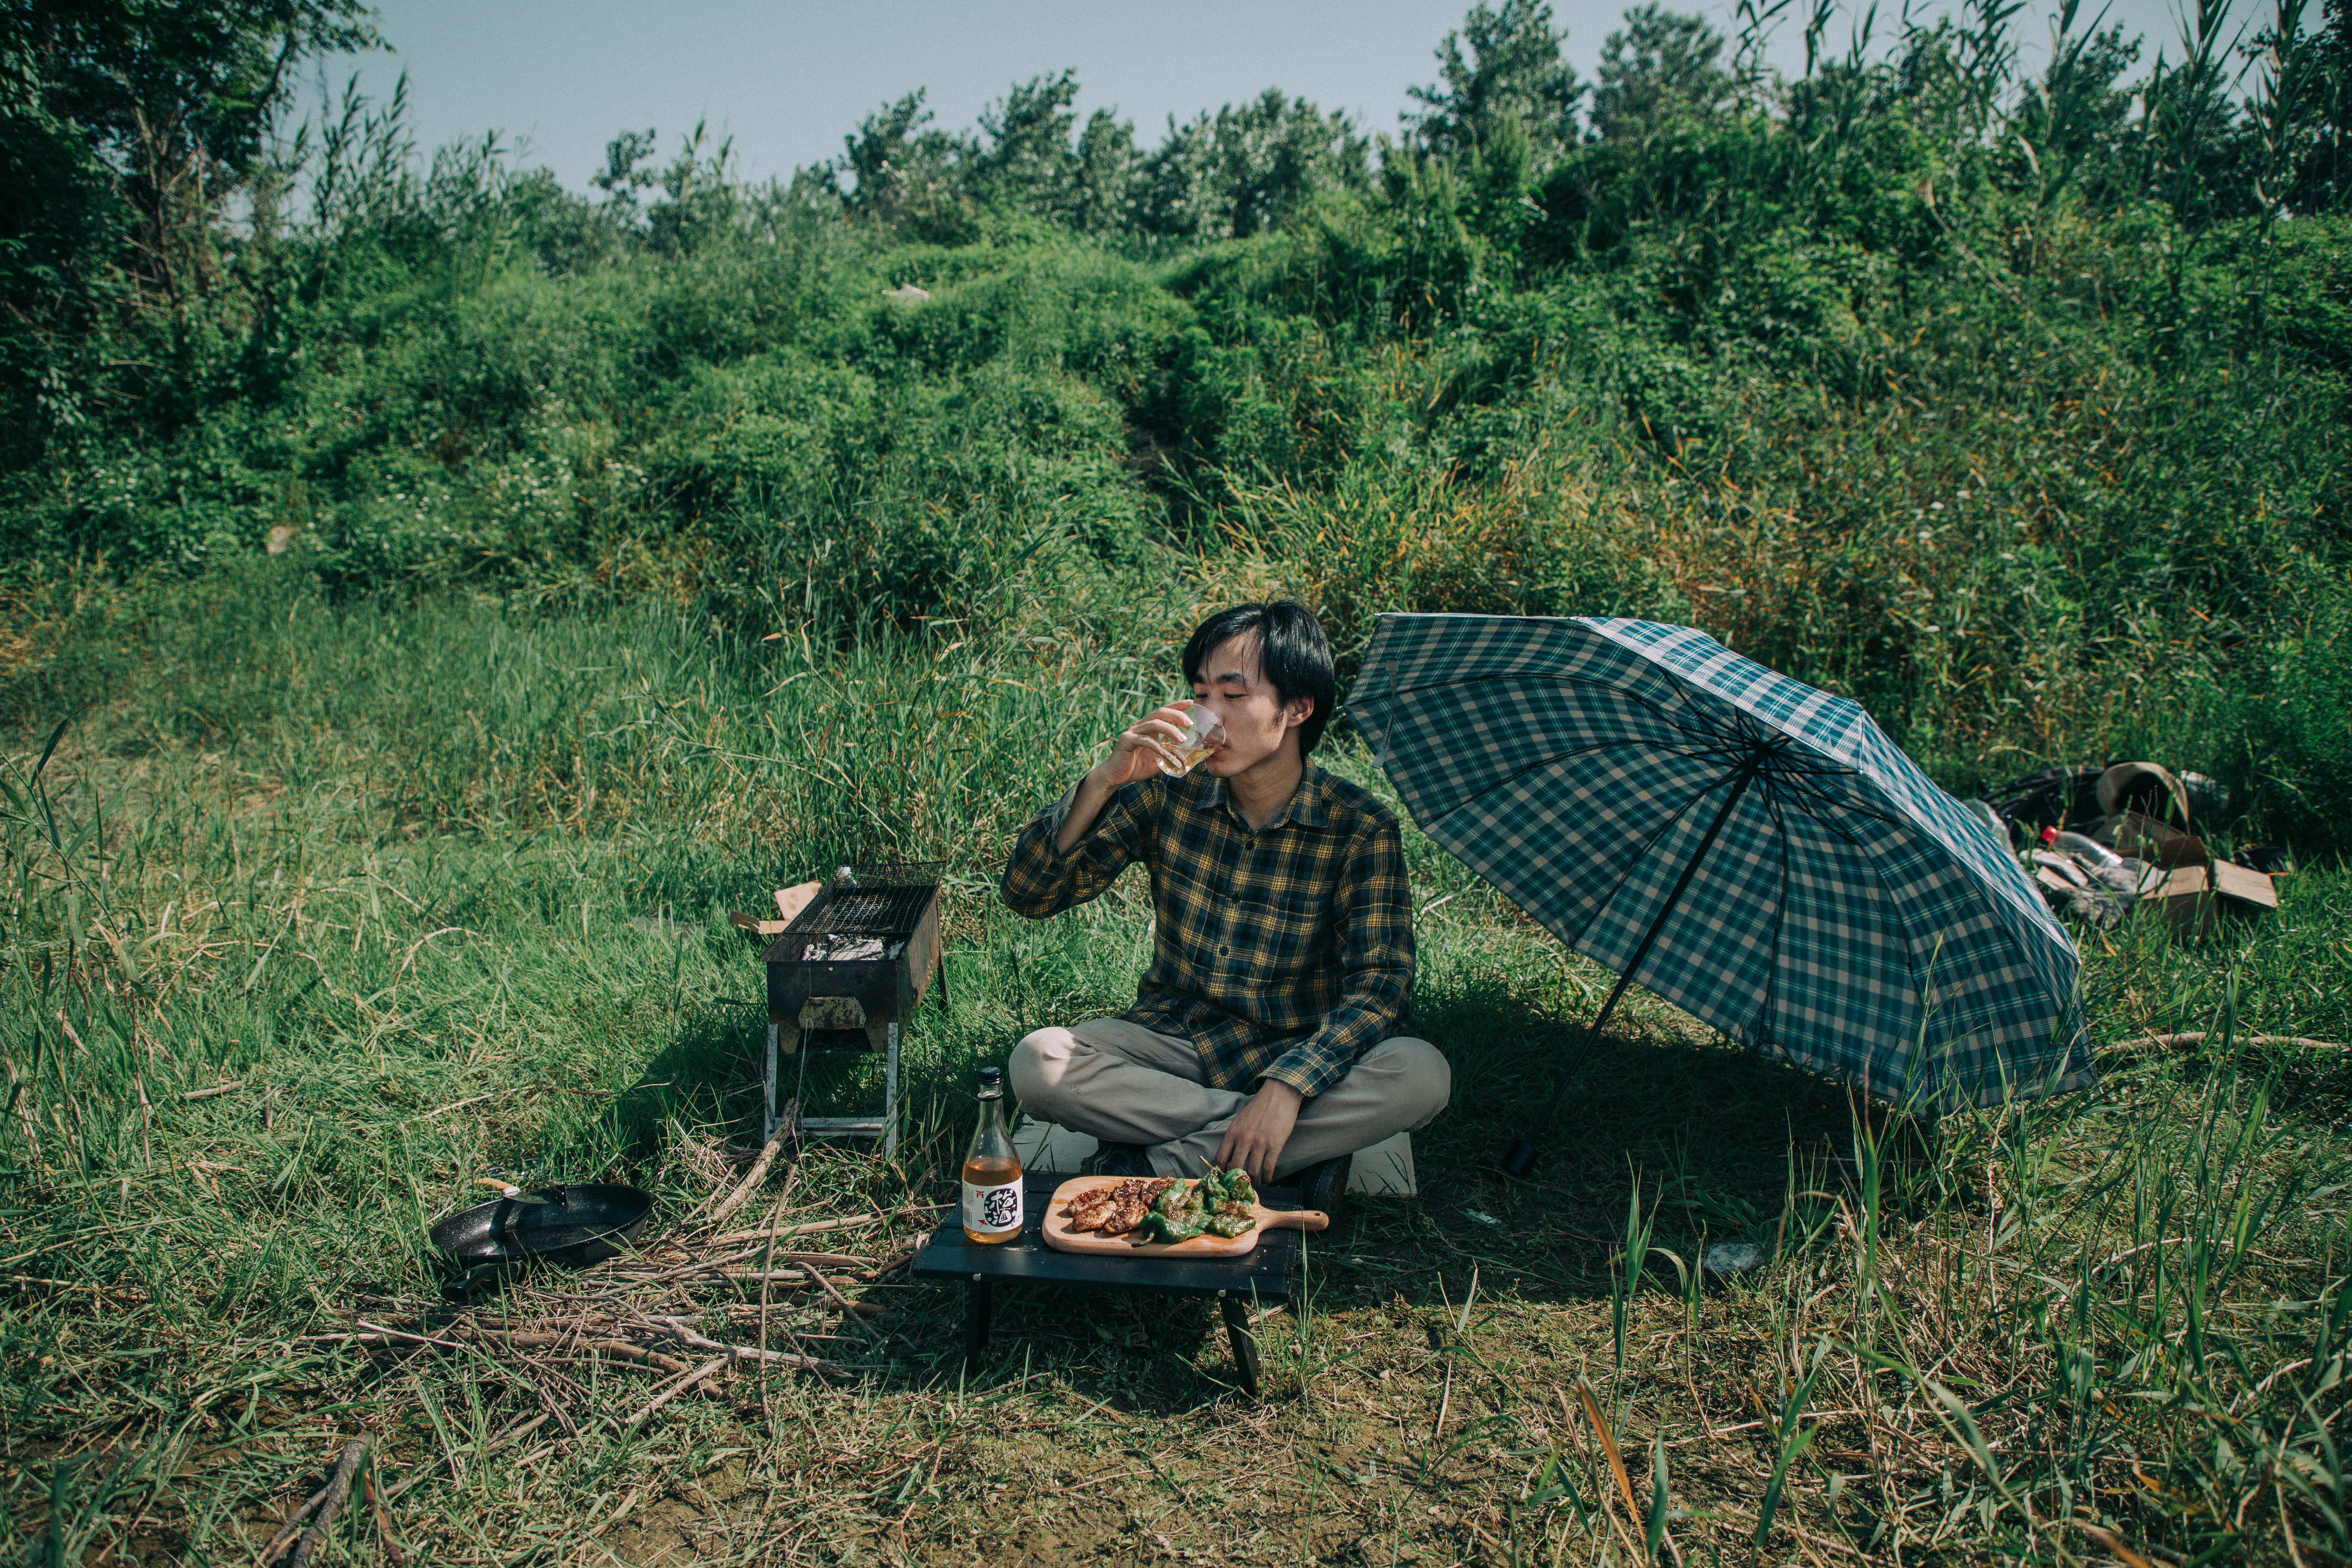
(792, 900)
(2195, 898)
(2145, 838)
(755, 925)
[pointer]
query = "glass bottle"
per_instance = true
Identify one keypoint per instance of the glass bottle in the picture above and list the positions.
(991, 1170)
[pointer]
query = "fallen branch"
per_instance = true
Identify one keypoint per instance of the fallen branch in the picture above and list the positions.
(687, 1336)
(216, 1089)
(2198, 1037)
(319, 1511)
(407, 1339)
(807, 1228)
(673, 1391)
(751, 1183)
(583, 1348)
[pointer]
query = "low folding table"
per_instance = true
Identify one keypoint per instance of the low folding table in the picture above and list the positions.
(1263, 1275)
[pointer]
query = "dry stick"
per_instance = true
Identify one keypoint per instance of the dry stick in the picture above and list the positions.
(216, 1089)
(806, 1227)
(407, 1339)
(591, 1349)
(676, 1326)
(673, 1391)
(2198, 1037)
(706, 1266)
(331, 1503)
(293, 1525)
(767, 1267)
(851, 1311)
(743, 1194)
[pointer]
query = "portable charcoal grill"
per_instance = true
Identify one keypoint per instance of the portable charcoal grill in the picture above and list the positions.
(853, 963)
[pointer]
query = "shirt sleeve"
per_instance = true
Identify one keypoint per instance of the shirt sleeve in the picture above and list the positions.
(1040, 880)
(1376, 914)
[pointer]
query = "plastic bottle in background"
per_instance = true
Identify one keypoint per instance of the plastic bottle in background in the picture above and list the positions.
(992, 1170)
(2091, 850)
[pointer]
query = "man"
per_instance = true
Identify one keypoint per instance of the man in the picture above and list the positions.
(1263, 1033)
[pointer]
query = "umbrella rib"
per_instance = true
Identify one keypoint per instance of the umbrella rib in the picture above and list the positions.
(1635, 865)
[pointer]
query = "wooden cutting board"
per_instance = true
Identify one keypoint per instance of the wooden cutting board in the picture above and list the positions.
(1062, 1239)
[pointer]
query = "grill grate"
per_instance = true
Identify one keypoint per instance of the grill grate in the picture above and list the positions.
(875, 900)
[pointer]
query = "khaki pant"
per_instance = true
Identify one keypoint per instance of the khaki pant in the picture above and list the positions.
(1123, 1083)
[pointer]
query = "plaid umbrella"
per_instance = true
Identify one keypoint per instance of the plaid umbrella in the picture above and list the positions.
(1753, 850)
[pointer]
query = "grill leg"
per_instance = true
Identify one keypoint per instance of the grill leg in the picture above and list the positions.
(767, 1130)
(1244, 1344)
(798, 1105)
(890, 1091)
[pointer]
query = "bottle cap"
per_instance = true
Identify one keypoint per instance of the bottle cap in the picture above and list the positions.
(992, 1078)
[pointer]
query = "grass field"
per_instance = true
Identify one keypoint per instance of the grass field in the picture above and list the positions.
(439, 889)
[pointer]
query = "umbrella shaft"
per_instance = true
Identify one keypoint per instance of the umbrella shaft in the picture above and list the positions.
(1740, 787)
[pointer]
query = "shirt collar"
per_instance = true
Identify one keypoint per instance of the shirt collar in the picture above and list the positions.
(1310, 803)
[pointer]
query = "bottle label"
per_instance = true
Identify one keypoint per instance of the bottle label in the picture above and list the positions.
(991, 1208)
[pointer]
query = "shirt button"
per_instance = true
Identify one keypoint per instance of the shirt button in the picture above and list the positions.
(1224, 952)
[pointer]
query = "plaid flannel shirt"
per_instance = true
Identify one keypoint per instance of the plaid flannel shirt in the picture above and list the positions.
(1283, 952)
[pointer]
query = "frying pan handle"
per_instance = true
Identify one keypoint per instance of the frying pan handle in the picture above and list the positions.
(461, 1287)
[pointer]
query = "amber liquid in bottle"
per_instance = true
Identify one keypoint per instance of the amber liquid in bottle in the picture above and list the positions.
(991, 1170)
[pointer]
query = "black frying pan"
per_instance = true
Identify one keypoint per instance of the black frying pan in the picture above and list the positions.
(567, 1224)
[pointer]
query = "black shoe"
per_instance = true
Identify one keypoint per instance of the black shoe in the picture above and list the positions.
(1117, 1160)
(1324, 1186)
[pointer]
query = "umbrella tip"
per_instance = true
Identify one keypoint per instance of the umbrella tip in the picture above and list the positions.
(1521, 1159)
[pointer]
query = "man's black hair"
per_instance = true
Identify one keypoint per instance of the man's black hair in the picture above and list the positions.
(1294, 656)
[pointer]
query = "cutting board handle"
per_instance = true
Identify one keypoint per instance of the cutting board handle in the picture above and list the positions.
(1293, 1219)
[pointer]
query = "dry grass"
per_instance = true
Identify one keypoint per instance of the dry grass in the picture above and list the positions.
(407, 941)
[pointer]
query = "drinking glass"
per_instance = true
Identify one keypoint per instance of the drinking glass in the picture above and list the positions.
(1205, 736)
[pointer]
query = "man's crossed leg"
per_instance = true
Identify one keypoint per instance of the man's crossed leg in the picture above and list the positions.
(1122, 1083)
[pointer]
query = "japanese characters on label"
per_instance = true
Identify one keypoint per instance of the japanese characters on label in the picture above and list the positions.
(991, 1208)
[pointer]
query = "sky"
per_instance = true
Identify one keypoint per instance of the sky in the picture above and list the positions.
(787, 79)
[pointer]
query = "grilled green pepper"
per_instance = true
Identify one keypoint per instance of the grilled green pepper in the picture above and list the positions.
(1158, 1227)
(1231, 1223)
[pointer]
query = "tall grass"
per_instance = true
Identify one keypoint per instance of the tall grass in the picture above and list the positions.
(359, 861)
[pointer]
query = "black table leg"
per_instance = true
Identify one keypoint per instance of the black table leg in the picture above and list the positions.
(977, 1299)
(1244, 1344)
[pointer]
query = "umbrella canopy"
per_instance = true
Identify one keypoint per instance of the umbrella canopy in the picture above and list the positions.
(1752, 849)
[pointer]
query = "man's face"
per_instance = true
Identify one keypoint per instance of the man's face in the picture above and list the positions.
(1233, 689)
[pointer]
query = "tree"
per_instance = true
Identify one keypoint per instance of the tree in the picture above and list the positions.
(1249, 168)
(902, 171)
(1027, 164)
(125, 128)
(2323, 176)
(1500, 65)
(1660, 66)
(1102, 195)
